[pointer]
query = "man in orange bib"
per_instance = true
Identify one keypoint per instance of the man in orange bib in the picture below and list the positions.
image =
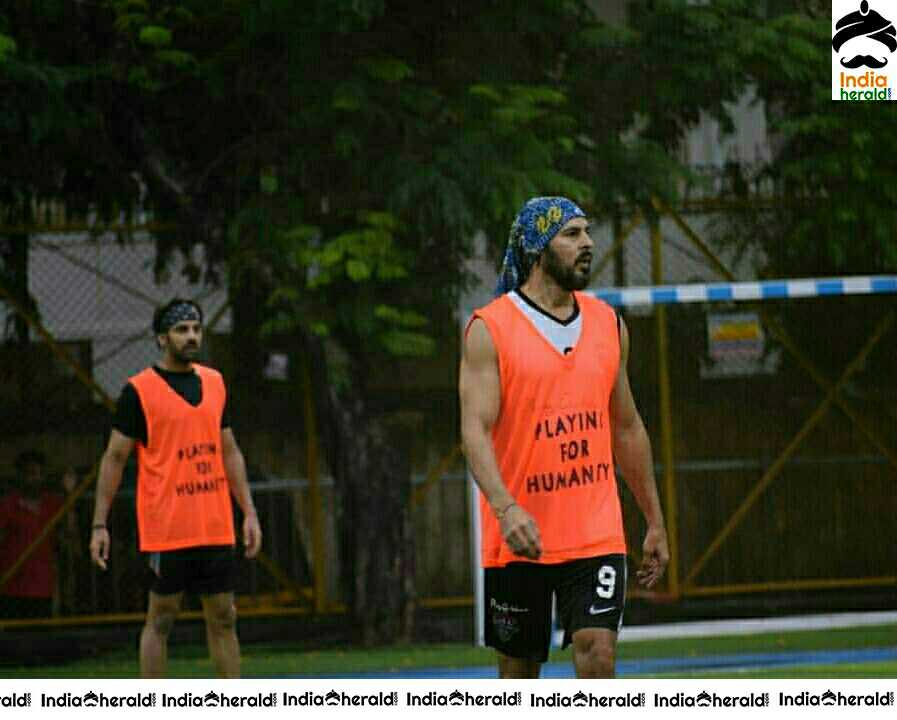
(188, 465)
(546, 409)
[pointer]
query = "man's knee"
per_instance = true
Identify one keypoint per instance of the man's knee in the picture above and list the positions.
(511, 668)
(221, 617)
(161, 622)
(594, 653)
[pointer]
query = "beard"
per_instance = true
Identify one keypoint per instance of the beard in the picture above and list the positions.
(185, 355)
(569, 278)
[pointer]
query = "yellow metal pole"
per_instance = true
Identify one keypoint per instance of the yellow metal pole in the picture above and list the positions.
(666, 414)
(783, 458)
(314, 490)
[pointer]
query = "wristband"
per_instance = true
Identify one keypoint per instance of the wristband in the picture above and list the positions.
(98, 527)
(500, 514)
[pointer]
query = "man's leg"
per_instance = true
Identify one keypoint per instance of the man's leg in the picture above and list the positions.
(221, 633)
(594, 653)
(591, 599)
(160, 617)
(511, 668)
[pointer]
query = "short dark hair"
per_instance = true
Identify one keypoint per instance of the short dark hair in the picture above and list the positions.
(160, 312)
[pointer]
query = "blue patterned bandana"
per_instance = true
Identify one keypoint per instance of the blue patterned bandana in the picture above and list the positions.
(185, 311)
(537, 222)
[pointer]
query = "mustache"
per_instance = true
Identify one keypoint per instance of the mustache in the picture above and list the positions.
(864, 60)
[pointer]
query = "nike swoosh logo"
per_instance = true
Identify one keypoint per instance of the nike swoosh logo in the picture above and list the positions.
(602, 611)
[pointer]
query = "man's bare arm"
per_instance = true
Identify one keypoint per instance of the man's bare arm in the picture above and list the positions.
(480, 389)
(632, 451)
(235, 469)
(112, 467)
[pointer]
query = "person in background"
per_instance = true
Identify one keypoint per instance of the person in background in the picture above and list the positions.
(24, 514)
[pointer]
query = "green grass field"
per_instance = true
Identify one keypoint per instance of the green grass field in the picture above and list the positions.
(282, 660)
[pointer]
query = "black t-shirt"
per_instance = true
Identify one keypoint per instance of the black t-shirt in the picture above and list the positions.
(130, 420)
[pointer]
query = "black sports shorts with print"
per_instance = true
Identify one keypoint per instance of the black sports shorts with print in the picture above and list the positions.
(590, 592)
(205, 570)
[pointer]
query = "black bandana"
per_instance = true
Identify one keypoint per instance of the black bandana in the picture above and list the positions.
(182, 312)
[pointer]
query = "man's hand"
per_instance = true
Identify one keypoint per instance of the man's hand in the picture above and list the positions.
(655, 556)
(99, 546)
(252, 535)
(521, 532)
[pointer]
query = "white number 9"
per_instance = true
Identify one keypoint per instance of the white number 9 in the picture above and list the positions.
(607, 580)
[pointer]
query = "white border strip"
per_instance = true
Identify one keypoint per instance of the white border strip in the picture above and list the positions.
(766, 290)
(718, 628)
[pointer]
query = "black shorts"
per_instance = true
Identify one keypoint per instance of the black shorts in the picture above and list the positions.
(590, 593)
(201, 570)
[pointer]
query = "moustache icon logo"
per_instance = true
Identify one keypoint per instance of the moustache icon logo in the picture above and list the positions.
(864, 61)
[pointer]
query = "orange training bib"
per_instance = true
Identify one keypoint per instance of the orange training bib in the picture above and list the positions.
(552, 438)
(183, 497)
